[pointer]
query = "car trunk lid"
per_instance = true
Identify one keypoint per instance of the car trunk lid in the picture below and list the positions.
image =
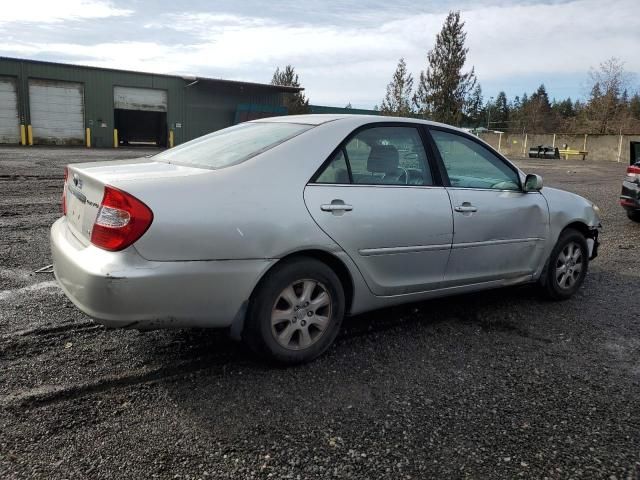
(85, 184)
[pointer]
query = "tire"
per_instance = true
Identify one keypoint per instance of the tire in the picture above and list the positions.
(283, 325)
(570, 254)
(634, 215)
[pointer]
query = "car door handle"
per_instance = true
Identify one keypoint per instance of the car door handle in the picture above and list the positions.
(336, 207)
(466, 207)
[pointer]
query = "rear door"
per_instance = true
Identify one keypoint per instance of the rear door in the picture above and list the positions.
(499, 230)
(378, 199)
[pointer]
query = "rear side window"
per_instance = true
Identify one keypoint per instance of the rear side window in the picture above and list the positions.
(232, 145)
(380, 156)
(336, 171)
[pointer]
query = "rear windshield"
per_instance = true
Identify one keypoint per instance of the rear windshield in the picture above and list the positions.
(232, 145)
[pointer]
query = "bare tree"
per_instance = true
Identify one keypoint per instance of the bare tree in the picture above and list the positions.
(605, 105)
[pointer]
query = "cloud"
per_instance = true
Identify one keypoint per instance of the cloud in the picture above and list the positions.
(54, 11)
(512, 46)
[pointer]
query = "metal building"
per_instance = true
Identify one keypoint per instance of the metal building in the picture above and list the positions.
(51, 103)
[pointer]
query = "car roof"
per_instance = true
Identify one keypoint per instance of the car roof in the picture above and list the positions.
(310, 119)
(320, 118)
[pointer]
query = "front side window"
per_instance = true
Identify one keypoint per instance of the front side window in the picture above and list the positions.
(380, 156)
(232, 145)
(470, 165)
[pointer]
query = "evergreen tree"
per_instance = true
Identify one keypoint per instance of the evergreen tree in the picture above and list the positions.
(296, 103)
(397, 101)
(475, 107)
(537, 112)
(565, 108)
(501, 111)
(624, 98)
(443, 88)
(516, 104)
(541, 98)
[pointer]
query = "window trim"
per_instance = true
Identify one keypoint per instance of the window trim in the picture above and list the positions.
(473, 138)
(430, 163)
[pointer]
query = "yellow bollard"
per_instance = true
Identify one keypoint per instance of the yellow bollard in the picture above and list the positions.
(170, 138)
(30, 134)
(88, 137)
(115, 138)
(23, 135)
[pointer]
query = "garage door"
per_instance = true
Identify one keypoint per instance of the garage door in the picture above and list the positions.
(9, 121)
(57, 112)
(145, 99)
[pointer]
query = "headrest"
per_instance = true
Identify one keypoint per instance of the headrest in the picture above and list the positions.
(383, 159)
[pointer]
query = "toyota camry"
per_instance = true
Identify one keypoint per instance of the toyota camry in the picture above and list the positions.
(278, 228)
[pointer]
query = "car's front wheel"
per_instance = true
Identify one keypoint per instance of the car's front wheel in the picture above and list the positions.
(567, 267)
(296, 311)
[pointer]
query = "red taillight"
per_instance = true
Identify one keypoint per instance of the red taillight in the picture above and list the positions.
(633, 174)
(64, 191)
(122, 219)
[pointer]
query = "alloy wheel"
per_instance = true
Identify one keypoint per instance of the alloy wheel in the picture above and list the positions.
(301, 314)
(569, 265)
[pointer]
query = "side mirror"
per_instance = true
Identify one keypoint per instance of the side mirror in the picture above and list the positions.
(533, 183)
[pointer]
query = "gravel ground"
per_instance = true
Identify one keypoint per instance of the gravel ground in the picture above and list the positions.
(494, 385)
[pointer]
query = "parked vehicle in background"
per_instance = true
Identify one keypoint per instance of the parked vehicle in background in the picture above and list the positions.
(279, 227)
(630, 195)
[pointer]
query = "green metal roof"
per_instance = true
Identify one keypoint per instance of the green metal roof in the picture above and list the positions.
(186, 78)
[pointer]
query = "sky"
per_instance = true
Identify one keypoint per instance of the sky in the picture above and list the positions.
(344, 51)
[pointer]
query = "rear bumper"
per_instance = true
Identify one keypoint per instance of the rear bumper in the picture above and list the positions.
(122, 289)
(630, 196)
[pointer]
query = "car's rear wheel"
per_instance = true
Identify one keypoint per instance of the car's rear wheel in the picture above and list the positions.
(296, 311)
(567, 267)
(634, 215)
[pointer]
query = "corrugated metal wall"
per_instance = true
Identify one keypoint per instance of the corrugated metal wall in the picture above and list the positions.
(194, 110)
(210, 106)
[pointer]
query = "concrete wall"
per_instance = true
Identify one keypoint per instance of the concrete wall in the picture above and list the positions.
(600, 147)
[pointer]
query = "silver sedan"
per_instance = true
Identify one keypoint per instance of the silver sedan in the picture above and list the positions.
(278, 228)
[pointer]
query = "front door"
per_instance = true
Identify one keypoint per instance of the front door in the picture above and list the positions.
(499, 230)
(377, 199)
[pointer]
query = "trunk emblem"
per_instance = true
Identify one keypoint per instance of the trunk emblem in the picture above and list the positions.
(77, 181)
